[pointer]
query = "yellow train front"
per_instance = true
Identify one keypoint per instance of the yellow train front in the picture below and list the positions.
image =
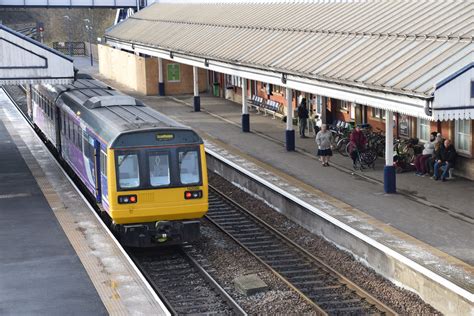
(146, 172)
(157, 187)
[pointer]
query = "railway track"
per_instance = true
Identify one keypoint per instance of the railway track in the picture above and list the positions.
(183, 284)
(323, 287)
(180, 281)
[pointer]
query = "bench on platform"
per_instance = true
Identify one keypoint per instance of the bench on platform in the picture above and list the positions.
(266, 106)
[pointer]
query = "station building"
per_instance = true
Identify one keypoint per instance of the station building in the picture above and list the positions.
(360, 61)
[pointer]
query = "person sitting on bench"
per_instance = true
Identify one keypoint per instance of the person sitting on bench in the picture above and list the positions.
(445, 158)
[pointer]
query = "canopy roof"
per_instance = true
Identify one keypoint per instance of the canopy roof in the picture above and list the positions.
(398, 47)
(26, 61)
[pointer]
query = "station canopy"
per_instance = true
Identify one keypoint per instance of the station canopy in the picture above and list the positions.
(26, 61)
(394, 50)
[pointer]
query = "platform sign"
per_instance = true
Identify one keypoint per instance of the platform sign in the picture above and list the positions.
(174, 73)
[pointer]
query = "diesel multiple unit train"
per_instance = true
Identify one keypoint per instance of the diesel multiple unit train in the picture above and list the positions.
(146, 172)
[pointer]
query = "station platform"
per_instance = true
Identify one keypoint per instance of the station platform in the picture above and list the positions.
(427, 223)
(56, 257)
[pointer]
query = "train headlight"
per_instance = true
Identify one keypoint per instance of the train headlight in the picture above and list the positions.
(127, 199)
(188, 195)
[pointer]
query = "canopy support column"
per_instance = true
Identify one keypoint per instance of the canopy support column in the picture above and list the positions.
(161, 84)
(245, 108)
(290, 132)
(389, 175)
(197, 99)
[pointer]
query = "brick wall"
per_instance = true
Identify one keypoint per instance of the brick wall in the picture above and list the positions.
(135, 72)
(185, 85)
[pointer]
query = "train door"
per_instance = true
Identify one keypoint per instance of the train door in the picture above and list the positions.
(90, 158)
(98, 188)
(58, 127)
(103, 178)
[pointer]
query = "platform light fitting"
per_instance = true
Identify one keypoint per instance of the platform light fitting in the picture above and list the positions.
(283, 78)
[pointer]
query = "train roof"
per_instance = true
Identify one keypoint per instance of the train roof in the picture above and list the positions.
(110, 113)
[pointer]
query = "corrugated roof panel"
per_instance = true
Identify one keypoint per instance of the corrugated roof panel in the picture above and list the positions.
(436, 67)
(381, 44)
(422, 65)
(412, 51)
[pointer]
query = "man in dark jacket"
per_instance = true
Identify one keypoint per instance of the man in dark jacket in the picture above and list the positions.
(445, 157)
(303, 116)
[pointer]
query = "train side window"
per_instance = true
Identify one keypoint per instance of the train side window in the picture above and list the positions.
(189, 167)
(128, 170)
(69, 125)
(103, 163)
(159, 168)
(73, 133)
(80, 139)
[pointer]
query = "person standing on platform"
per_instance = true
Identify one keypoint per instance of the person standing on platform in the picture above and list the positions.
(357, 144)
(324, 141)
(303, 116)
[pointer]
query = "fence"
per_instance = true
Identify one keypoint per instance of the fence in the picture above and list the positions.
(78, 48)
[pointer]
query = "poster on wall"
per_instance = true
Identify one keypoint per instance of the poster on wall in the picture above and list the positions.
(173, 73)
(404, 126)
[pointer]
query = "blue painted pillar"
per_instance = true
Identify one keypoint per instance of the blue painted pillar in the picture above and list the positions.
(389, 174)
(161, 83)
(290, 132)
(197, 98)
(245, 108)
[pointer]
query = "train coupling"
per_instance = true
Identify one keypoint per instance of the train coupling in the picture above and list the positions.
(159, 233)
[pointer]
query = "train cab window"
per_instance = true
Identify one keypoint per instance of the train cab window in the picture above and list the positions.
(189, 167)
(159, 166)
(128, 172)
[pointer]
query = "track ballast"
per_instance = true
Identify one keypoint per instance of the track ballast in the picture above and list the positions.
(326, 289)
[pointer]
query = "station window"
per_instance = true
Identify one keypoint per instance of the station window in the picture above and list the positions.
(378, 113)
(345, 106)
(277, 89)
(189, 167)
(159, 167)
(423, 130)
(463, 136)
(128, 171)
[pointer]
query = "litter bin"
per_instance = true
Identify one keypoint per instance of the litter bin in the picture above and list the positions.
(215, 89)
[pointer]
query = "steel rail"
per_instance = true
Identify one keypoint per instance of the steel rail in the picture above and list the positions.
(178, 264)
(221, 293)
(304, 255)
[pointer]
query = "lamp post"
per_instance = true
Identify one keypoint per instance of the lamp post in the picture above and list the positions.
(89, 31)
(67, 18)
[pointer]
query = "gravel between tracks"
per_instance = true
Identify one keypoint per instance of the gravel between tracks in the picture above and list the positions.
(400, 300)
(225, 260)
